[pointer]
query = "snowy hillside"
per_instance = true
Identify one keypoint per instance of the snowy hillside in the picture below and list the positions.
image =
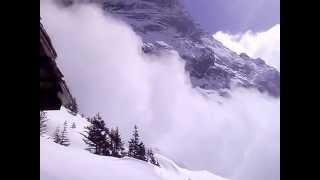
(58, 162)
(57, 118)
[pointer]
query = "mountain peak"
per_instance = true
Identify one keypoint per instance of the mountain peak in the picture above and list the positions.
(211, 65)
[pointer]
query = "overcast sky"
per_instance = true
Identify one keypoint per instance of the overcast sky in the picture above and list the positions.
(235, 16)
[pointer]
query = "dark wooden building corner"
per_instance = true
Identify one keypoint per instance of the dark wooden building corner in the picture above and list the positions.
(53, 90)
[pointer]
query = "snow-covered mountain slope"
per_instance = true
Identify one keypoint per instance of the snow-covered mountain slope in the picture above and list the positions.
(164, 24)
(103, 64)
(58, 162)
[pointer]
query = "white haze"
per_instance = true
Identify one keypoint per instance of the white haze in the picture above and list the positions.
(107, 72)
(265, 45)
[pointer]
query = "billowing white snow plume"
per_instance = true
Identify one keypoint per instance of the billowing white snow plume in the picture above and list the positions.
(101, 58)
(265, 45)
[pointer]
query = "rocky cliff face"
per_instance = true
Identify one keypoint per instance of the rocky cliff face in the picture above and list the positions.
(164, 24)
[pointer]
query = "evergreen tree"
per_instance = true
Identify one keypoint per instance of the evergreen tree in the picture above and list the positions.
(136, 148)
(133, 143)
(61, 137)
(151, 158)
(73, 125)
(56, 136)
(73, 106)
(116, 143)
(64, 135)
(157, 163)
(43, 121)
(141, 152)
(97, 136)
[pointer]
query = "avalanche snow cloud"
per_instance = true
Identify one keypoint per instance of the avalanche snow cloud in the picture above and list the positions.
(265, 45)
(101, 58)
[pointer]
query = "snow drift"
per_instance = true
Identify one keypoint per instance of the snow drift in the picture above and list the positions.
(63, 163)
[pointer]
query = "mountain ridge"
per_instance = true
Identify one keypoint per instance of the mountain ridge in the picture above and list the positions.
(166, 25)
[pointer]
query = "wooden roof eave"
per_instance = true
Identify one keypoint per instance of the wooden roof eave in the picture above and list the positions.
(46, 44)
(53, 90)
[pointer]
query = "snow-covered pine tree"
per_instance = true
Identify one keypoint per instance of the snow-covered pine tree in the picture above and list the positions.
(157, 163)
(97, 136)
(64, 135)
(73, 107)
(116, 143)
(43, 121)
(133, 143)
(136, 148)
(141, 152)
(73, 125)
(56, 136)
(151, 158)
